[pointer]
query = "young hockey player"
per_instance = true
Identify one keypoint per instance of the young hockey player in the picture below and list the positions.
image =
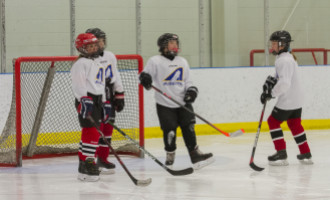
(287, 88)
(170, 73)
(114, 95)
(89, 91)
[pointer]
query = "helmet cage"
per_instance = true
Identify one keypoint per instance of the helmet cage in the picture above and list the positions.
(163, 43)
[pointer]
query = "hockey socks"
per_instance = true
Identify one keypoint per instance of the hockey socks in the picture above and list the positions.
(103, 151)
(88, 144)
(280, 157)
(298, 132)
(276, 133)
(299, 135)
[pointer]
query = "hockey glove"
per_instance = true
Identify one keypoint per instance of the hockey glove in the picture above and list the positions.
(190, 95)
(106, 111)
(108, 88)
(265, 96)
(269, 84)
(119, 102)
(85, 107)
(145, 80)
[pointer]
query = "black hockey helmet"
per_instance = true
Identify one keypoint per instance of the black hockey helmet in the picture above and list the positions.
(164, 39)
(97, 32)
(283, 38)
(100, 35)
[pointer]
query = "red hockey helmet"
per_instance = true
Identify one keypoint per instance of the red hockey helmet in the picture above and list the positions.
(84, 39)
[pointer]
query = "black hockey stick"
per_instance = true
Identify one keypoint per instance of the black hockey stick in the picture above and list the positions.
(135, 181)
(173, 172)
(252, 165)
(234, 134)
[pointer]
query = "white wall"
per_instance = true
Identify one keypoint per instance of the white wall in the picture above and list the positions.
(232, 94)
(226, 94)
(42, 27)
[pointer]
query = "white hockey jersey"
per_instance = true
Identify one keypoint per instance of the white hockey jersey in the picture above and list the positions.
(87, 75)
(170, 76)
(288, 88)
(109, 62)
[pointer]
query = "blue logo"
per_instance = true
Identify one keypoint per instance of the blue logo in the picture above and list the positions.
(176, 75)
(108, 71)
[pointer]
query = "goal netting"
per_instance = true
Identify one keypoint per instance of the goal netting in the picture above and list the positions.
(43, 121)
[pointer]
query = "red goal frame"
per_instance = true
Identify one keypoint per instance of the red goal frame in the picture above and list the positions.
(53, 59)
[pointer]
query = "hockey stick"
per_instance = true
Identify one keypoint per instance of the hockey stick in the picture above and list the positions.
(135, 181)
(252, 165)
(173, 172)
(234, 134)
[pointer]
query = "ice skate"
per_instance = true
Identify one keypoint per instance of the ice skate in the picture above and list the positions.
(88, 170)
(305, 158)
(170, 156)
(105, 166)
(279, 158)
(199, 159)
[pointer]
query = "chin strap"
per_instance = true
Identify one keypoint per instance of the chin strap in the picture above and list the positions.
(169, 56)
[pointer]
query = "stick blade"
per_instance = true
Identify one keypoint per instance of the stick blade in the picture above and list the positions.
(182, 172)
(143, 183)
(255, 167)
(237, 133)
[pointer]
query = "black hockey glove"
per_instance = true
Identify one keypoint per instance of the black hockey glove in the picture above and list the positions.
(119, 102)
(106, 111)
(265, 97)
(108, 88)
(145, 80)
(269, 84)
(190, 95)
(85, 107)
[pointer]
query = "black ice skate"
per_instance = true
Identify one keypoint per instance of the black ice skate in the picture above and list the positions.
(305, 158)
(170, 156)
(279, 158)
(105, 166)
(88, 170)
(199, 159)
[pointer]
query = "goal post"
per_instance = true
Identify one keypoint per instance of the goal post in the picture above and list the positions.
(43, 121)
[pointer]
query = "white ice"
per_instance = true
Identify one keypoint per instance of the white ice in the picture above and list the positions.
(229, 177)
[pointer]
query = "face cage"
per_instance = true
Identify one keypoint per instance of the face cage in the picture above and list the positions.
(165, 45)
(85, 54)
(286, 46)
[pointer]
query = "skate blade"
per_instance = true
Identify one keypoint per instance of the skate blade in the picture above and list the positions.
(203, 163)
(279, 163)
(106, 171)
(87, 178)
(306, 161)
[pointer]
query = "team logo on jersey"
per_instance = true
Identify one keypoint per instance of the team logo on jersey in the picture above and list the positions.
(100, 76)
(108, 72)
(175, 78)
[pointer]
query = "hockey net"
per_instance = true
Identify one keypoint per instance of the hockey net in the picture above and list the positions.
(43, 121)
